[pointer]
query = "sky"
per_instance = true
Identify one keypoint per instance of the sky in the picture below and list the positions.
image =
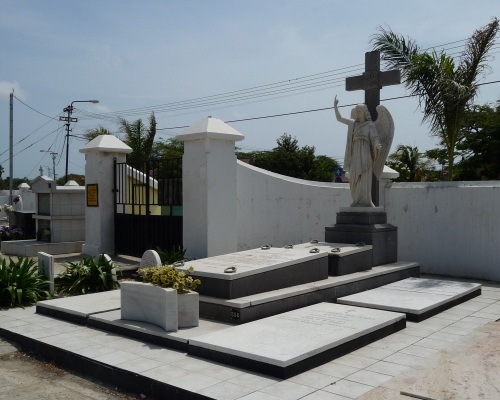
(232, 60)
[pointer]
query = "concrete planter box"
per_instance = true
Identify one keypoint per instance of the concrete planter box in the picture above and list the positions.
(145, 302)
(188, 309)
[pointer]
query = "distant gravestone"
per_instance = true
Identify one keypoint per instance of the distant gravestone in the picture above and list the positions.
(46, 268)
(150, 258)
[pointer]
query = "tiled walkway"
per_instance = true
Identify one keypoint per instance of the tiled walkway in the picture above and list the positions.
(380, 370)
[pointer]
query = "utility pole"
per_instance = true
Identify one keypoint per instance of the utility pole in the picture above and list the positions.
(11, 151)
(69, 119)
(53, 161)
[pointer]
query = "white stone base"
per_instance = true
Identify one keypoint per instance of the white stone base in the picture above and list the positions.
(189, 309)
(145, 302)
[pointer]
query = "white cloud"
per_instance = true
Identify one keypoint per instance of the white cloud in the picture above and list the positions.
(7, 87)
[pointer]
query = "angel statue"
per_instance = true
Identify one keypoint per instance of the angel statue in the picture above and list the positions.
(368, 144)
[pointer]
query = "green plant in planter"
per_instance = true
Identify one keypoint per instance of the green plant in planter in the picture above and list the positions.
(87, 276)
(167, 276)
(21, 283)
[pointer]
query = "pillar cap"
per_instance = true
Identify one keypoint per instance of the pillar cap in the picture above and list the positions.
(210, 128)
(106, 144)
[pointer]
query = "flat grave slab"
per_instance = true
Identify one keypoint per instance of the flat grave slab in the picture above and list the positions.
(111, 321)
(343, 258)
(290, 343)
(248, 272)
(418, 298)
(79, 308)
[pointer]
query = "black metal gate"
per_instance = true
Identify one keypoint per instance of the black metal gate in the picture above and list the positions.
(148, 206)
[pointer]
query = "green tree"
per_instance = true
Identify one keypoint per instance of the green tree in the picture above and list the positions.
(444, 88)
(480, 147)
(171, 148)
(93, 133)
(289, 159)
(409, 162)
(140, 138)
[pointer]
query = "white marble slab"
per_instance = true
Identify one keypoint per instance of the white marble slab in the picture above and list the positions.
(341, 249)
(145, 302)
(411, 295)
(285, 339)
(84, 305)
(249, 262)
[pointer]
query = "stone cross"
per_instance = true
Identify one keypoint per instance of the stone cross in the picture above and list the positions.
(372, 81)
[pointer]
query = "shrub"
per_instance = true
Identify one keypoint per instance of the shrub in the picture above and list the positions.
(168, 276)
(21, 283)
(87, 276)
(7, 233)
(176, 253)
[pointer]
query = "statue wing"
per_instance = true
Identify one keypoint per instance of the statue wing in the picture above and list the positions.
(385, 130)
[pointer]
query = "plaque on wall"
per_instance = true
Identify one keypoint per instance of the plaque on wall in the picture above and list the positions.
(92, 195)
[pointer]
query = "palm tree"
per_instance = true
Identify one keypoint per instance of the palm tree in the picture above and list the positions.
(444, 88)
(409, 162)
(140, 138)
(93, 133)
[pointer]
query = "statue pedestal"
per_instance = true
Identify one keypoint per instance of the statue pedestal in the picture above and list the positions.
(368, 225)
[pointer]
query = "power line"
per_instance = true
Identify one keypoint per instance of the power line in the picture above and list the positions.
(31, 108)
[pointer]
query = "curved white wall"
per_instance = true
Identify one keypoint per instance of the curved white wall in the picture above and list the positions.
(279, 210)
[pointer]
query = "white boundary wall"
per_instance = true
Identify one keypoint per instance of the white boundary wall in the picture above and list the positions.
(450, 228)
(279, 210)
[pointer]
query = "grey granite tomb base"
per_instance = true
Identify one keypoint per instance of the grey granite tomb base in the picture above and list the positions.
(251, 308)
(369, 228)
(291, 275)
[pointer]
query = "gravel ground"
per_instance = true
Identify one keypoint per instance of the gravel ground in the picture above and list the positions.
(23, 377)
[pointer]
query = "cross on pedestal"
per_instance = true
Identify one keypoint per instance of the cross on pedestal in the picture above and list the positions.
(372, 81)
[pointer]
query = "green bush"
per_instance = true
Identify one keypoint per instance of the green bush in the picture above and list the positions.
(87, 276)
(168, 276)
(176, 253)
(21, 283)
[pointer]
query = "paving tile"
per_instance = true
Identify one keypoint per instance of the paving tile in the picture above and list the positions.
(116, 357)
(158, 353)
(139, 365)
(192, 364)
(435, 323)
(165, 373)
(408, 360)
(419, 351)
(355, 361)
(446, 337)
(253, 380)
(12, 323)
(348, 389)
(480, 314)
(226, 391)
(336, 370)
(388, 368)
(313, 379)
(322, 395)
(373, 352)
(221, 372)
(194, 382)
(259, 396)
(369, 377)
(395, 342)
(288, 390)
(418, 331)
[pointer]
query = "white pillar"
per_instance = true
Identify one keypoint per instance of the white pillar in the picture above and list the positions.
(209, 188)
(100, 219)
(388, 174)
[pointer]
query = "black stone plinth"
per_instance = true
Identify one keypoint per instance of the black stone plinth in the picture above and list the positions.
(343, 264)
(280, 278)
(369, 228)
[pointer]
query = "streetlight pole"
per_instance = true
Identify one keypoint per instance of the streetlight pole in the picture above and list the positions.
(68, 120)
